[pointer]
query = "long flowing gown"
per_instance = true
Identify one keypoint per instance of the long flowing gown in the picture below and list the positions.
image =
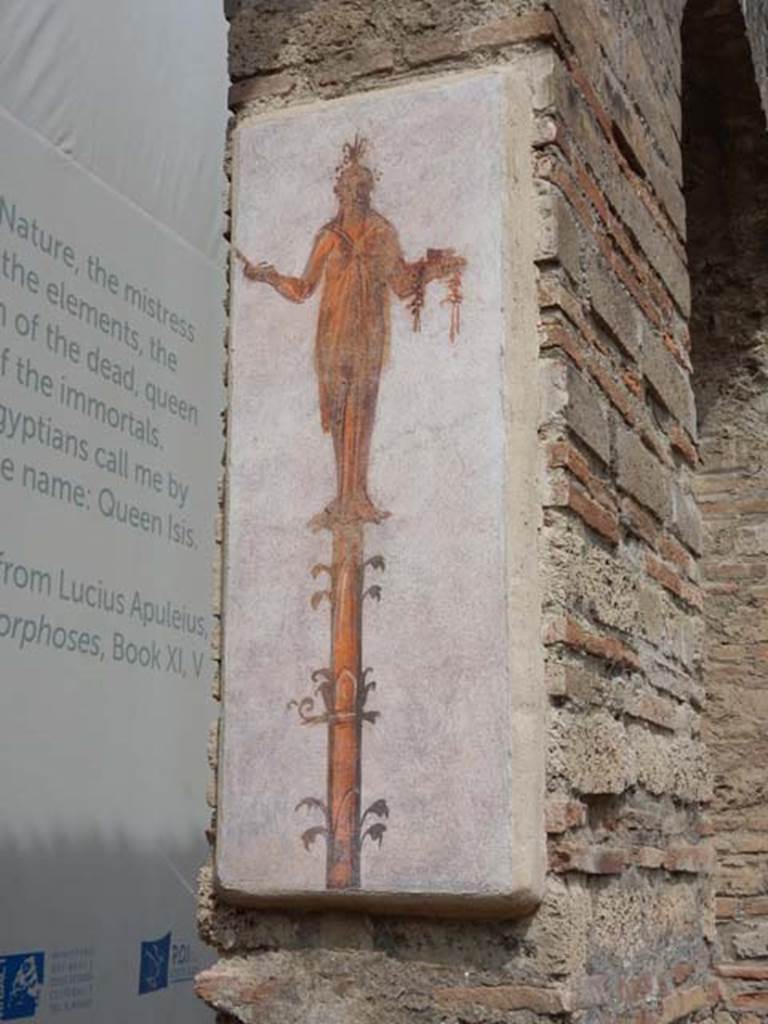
(353, 327)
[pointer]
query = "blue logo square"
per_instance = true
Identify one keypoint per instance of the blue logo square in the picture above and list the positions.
(153, 966)
(21, 982)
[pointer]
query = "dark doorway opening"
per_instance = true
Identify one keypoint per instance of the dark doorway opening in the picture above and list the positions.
(725, 150)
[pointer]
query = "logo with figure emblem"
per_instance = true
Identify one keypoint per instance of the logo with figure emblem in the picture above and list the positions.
(21, 981)
(153, 966)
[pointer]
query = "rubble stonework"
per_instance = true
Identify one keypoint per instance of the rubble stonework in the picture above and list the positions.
(634, 580)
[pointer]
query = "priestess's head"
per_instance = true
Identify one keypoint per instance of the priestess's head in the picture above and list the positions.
(354, 181)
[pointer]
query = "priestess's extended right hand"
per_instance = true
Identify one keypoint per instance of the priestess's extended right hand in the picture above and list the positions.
(259, 271)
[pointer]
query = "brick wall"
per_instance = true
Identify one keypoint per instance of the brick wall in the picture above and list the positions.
(621, 530)
(626, 928)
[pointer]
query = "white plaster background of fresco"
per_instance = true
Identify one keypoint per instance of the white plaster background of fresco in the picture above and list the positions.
(440, 752)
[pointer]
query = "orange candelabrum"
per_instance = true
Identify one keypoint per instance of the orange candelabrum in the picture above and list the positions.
(358, 259)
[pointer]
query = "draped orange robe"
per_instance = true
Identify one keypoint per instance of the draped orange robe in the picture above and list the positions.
(358, 267)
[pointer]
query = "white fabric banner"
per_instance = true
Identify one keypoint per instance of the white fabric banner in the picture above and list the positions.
(112, 120)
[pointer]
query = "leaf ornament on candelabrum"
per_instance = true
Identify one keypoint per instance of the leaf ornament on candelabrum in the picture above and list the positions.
(309, 835)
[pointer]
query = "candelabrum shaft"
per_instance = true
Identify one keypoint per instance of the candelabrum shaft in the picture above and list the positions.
(345, 724)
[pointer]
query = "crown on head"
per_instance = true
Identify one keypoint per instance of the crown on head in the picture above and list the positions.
(352, 156)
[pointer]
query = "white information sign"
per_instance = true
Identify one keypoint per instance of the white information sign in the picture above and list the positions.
(109, 455)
